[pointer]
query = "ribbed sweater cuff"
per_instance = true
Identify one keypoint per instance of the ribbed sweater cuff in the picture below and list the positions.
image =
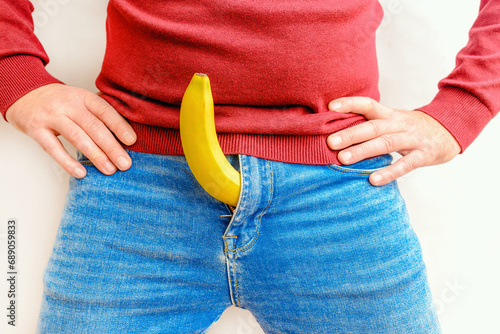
(19, 75)
(460, 112)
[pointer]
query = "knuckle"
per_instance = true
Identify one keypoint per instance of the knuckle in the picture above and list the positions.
(390, 174)
(97, 106)
(388, 142)
(115, 151)
(407, 165)
(372, 103)
(97, 156)
(430, 146)
(56, 121)
(68, 165)
(409, 122)
(350, 136)
(38, 119)
(95, 128)
(361, 151)
(411, 126)
(377, 127)
(63, 107)
(431, 154)
(366, 104)
(73, 96)
(101, 111)
(74, 135)
(32, 130)
(347, 102)
(51, 149)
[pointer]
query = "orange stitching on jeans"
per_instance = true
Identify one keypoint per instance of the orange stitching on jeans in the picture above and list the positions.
(226, 249)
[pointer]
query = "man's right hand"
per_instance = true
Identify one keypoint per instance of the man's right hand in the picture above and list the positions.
(87, 121)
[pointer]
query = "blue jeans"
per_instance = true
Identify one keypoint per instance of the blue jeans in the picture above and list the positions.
(309, 249)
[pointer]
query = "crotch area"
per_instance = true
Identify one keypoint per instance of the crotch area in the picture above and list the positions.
(242, 233)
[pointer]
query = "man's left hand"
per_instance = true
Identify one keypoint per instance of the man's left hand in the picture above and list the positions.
(419, 138)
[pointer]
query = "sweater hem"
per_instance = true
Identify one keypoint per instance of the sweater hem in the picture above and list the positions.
(300, 149)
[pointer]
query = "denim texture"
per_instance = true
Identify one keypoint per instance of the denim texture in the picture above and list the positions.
(309, 249)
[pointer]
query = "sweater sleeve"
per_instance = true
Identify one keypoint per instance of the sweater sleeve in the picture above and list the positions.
(22, 57)
(469, 97)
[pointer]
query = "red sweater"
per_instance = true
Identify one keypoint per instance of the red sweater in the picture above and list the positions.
(273, 66)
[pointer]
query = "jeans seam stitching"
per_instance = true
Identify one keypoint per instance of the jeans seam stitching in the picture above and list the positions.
(259, 218)
(229, 270)
(236, 283)
(233, 269)
(340, 170)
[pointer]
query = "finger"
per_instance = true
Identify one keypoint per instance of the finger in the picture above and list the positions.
(104, 139)
(361, 133)
(81, 141)
(384, 144)
(49, 142)
(365, 106)
(111, 118)
(401, 167)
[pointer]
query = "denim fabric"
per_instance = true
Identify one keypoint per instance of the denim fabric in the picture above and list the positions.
(309, 249)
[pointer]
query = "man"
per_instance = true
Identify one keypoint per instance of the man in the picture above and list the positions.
(296, 138)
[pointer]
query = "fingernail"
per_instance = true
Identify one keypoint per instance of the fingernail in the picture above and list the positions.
(128, 137)
(335, 140)
(335, 105)
(346, 156)
(109, 167)
(123, 163)
(79, 172)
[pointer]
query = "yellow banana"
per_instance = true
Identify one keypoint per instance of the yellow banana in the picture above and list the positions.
(201, 147)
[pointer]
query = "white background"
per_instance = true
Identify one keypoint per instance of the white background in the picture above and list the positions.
(454, 207)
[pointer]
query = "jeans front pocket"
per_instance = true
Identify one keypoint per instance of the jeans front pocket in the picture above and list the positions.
(364, 167)
(83, 159)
